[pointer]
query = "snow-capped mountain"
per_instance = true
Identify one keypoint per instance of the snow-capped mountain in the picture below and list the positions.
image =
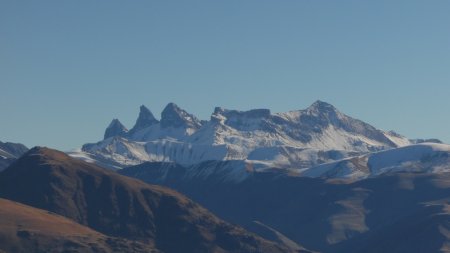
(424, 157)
(295, 139)
(9, 152)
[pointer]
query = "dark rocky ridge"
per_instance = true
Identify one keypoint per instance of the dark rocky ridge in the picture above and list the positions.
(122, 207)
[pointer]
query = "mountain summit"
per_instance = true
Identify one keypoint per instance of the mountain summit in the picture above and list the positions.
(296, 139)
(174, 116)
(115, 128)
(145, 119)
(321, 106)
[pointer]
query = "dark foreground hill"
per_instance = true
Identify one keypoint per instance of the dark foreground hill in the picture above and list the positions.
(119, 206)
(28, 229)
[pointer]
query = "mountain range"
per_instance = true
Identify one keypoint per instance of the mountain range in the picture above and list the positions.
(320, 178)
(313, 179)
(317, 141)
(295, 139)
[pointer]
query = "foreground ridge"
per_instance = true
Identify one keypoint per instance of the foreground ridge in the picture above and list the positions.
(122, 207)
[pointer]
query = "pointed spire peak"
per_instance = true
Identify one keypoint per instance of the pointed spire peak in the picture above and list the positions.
(115, 122)
(143, 109)
(174, 116)
(115, 128)
(144, 120)
(172, 107)
(146, 115)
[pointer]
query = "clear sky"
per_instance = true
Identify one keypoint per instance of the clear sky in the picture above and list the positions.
(68, 67)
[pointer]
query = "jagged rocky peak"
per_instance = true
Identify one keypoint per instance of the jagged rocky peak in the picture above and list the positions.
(174, 116)
(144, 120)
(320, 115)
(115, 128)
(320, 107)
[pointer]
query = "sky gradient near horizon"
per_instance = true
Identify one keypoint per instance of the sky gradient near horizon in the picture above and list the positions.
(68, 67)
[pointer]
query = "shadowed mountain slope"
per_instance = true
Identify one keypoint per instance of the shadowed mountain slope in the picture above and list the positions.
(119, 206)
(393, 212)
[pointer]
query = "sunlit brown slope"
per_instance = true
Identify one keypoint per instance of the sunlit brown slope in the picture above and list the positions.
(122, 207)
(28, 229)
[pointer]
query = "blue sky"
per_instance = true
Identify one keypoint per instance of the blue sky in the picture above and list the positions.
(68, 67)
